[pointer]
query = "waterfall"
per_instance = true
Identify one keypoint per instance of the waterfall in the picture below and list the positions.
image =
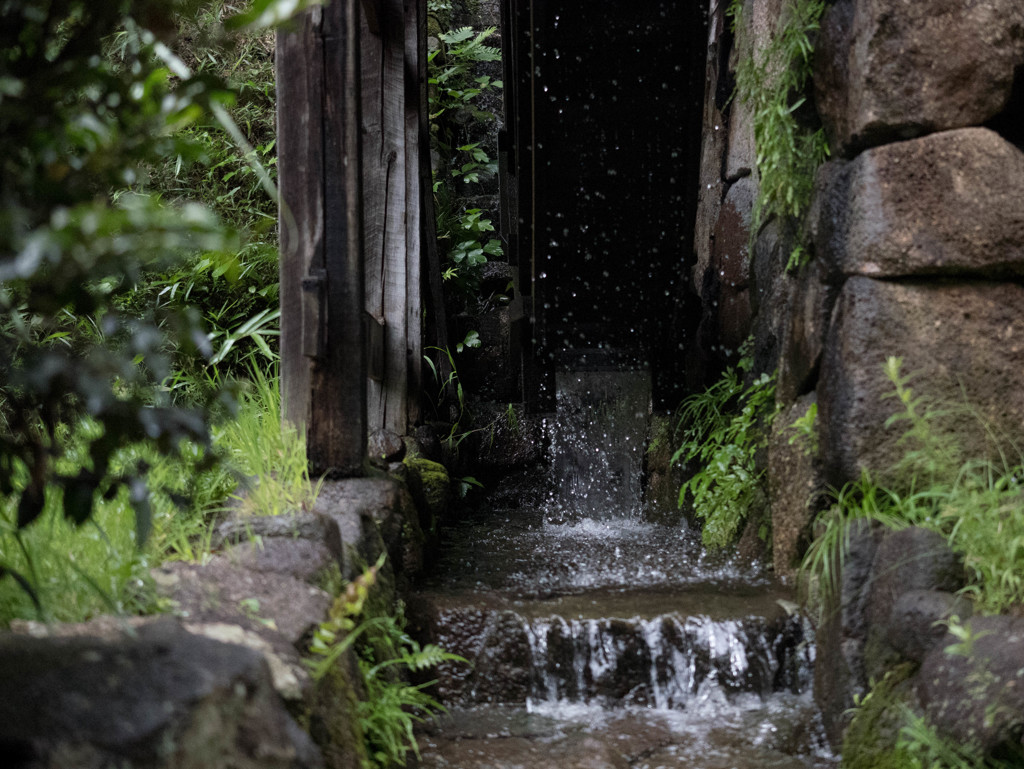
(597, 440)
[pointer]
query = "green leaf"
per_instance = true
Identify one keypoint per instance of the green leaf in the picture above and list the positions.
(265, 14)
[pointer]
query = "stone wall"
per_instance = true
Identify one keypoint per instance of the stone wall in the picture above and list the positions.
(219, 680)
(916, 237)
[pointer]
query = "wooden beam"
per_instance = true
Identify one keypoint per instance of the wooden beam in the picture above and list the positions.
(415, 147)
(300, 182)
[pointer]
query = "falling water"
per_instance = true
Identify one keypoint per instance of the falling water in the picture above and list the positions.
(598, 441)
(576, 613)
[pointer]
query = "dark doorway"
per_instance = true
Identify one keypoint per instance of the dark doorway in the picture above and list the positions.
(605, 121)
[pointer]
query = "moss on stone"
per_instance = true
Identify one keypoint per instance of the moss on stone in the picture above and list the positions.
(429, 483)
(871, 739)
(333, 721)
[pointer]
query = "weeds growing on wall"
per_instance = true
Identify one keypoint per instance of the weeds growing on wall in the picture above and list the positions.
(977, 503)
(720, 431)
(772, 81)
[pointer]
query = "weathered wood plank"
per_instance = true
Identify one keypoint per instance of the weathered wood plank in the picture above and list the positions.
(384, 187)
(415, 146)
(300, 183)
(372, 15)
(318, 140)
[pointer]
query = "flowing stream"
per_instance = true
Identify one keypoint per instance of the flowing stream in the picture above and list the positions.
(598, 639)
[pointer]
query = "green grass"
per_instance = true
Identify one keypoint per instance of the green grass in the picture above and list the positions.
(99, 567)
(269, 454)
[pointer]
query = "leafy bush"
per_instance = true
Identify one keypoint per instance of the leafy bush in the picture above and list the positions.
(91, 100)
(73, 127)
(231, 168)
(721, 430)
(463, 232)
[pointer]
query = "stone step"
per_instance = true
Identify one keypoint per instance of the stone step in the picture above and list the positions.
(777, 733)
(607, 647)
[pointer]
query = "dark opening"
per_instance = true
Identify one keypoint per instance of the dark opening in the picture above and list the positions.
(605, 115)
(1010, 122)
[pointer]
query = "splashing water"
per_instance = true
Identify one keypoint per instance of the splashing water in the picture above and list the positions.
(598, 442)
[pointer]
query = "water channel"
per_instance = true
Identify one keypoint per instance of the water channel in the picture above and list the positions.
(598, 638)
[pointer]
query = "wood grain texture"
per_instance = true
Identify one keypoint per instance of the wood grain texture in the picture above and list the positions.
(321, 223)
(384, 198)
(300, 182)
(415, 147)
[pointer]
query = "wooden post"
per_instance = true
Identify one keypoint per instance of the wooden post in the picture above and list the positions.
(416, 145)
(385, 187)
(323, 352)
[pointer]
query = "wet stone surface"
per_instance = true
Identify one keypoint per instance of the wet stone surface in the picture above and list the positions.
(599, 639)
(713, 734)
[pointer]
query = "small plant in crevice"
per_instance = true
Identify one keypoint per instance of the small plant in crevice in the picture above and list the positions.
(452, 394)
(773, 81)
(391, 706)
(805, 431)
(720, 430)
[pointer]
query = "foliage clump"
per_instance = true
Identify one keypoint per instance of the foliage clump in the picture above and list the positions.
(457, 88)
(721, 430)
(391, 706)
(75, 129)
(102, 260)
(773, 81)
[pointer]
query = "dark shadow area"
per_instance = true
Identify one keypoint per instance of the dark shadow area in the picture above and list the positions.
(1010, 122)
(613, 101)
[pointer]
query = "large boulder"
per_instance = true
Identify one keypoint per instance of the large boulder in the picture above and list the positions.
(918, 620)
(221, 591)
(730, 262)
(161, 697)
(972, 689)
(958, 341)
(945, 204)
(893, 69)
(804, 328)
(906, 560)
(912, 559)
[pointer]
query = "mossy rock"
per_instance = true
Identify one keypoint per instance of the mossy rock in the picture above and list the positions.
(870, 740)
(429, 484)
